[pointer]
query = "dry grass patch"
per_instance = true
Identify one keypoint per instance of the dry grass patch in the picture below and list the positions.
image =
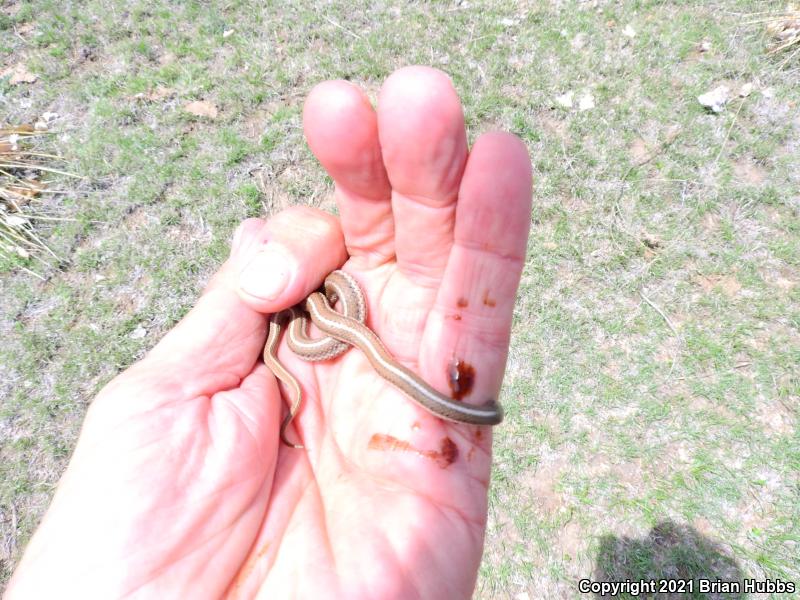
(27, 174)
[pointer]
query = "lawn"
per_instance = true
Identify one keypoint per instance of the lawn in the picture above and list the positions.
(652, 390)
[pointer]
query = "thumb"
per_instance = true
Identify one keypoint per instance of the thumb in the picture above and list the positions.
(273, 265)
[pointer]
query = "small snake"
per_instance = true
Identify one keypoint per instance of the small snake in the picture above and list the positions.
(348, 329)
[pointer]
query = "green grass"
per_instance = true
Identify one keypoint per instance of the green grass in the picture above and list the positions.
(638, 443)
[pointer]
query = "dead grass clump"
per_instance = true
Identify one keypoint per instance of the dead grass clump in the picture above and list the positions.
(24, 169)
(783, 29)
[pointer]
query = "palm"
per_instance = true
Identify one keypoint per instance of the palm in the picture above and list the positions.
(363, 505)
(179, 482)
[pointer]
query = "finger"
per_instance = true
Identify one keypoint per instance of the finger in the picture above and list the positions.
(474, 307)
(221, 338)
(342, 131)
(289, 257)
(424, 147)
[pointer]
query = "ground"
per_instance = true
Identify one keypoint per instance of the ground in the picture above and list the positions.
(652, 391)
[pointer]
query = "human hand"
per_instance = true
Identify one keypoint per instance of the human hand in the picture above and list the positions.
(179, 486)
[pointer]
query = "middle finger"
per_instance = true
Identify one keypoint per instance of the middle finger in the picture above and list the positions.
(424, 147)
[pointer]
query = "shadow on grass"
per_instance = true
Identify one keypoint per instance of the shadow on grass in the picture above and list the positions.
(669, 552)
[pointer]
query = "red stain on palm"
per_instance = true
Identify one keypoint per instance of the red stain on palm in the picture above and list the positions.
(445, 456)
(384, 441)
(461, 377)
(448, 452)
(462, 302)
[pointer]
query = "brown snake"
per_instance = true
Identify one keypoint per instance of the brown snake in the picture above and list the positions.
(348, 329)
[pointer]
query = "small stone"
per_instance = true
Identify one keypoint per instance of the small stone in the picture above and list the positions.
(228, 33)
(745, 90)
(138, 333)
(704, 46)
(586, 102)
(629, 31)
(565, 100)
(716, 99)
(579, 41)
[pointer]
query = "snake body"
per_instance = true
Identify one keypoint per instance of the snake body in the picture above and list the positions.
(348, 329)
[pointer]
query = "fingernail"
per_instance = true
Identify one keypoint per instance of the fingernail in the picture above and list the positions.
(267, 275)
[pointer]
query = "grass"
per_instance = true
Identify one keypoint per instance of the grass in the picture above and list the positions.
(652, 386)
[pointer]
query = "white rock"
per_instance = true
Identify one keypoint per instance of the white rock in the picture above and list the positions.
(507, 22)
(716, 99)
(629, 31)
(565, 100)
(586, 102)
(579, 41)
(138, 333)
(745, 90)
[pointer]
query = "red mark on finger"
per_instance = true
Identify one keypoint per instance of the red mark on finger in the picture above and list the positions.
(462, 302)
(461, 377)
(487, 300)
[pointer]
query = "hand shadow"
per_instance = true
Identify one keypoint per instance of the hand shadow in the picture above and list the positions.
(670, 551)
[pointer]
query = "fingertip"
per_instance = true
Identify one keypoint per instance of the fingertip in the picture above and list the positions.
(417, 94)
(331, 100)
(267, 275)
(422, 134)
(500, 166)
(246, 235)
(495, 196)
(298, 248)
(506, 147)
(415, 81)
(341, 129)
